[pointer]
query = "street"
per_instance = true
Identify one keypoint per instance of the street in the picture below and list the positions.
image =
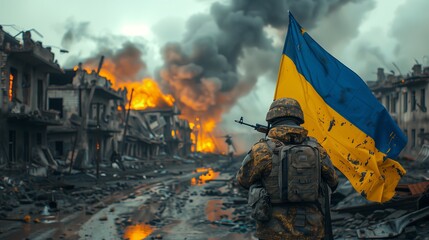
(199, 203)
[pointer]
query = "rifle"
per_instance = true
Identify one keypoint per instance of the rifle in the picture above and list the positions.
(258, 127)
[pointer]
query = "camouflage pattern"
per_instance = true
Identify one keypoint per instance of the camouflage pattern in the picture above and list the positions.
(289, 220)
(285, 107)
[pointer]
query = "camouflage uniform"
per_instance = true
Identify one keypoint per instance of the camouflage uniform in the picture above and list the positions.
(257, 166)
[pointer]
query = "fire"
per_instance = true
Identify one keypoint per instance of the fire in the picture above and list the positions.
(201, 135)
(10, 87)
(209, 175)
(138, 232)
(147, 94)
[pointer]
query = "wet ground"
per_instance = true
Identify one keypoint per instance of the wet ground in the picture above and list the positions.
(185, 201)
(193, 203)
(193, 206)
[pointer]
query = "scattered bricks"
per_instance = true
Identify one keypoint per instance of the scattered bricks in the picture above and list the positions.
(89, 212)
(364, 223)
(396, 214)
(378, 214)
(26, 201)
(359, 216)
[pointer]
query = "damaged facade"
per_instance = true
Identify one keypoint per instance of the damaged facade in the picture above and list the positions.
(73, 117)
(153, 132)
(405, 98)
(91, 122)
(24, 71)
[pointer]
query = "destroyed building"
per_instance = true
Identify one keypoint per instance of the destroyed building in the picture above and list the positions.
(405, 98)
(25, 67)
(88, 107)
(142, 140)
(102, 123)
(176, 131)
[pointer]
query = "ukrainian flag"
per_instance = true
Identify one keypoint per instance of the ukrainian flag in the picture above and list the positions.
(342, 114)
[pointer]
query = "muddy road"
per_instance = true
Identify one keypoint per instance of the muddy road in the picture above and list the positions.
(202, 203)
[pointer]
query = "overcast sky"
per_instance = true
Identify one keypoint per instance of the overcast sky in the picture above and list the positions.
(230, 48)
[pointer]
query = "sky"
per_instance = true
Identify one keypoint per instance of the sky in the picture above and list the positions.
(227, 51)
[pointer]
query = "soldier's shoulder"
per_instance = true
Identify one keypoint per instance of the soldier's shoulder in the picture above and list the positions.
(314, 143)
(261, 145)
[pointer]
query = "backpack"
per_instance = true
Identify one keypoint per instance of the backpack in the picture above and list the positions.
(295, 175)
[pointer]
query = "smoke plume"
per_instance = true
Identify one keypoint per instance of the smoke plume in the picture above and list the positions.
(204, 72)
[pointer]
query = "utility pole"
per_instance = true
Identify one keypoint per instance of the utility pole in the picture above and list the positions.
(98, 142)
(126, 123)
(81, 136)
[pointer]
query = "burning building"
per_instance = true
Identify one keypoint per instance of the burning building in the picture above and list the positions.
(405, 98)
(24, 71)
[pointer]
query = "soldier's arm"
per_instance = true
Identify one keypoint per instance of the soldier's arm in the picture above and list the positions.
(256, 165)
(327, 169)
(328, 173)
(243, 175)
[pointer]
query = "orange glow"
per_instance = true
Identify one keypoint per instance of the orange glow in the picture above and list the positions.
(10, 87)
(201, 169)
(208, 176)
(138, 232)
(147, 94)
(214, 210)
(201, 135)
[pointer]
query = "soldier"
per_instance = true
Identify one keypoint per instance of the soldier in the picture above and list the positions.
(231, 148)
(288, 175)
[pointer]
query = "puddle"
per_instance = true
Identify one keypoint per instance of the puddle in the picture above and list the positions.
(214, 211)
(138, 232)
(209, 175)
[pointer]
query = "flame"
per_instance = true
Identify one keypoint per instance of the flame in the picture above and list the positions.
(201, 135)
(138, 232)
(202, 179)
(147, 94)
(10, 87)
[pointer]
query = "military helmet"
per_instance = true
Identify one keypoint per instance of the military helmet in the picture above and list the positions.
(285, 107)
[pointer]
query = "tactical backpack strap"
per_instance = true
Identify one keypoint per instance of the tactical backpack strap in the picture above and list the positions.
(300, 217)
(271, 183)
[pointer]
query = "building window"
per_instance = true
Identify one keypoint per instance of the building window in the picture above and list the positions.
(40, 95)
(421, 135)
(13, 80)
(57, 105)
(413, 138)
(39, 138)
(413, 100)
(405, 101)
(26, 84)
(394, 102)
(423, 100)
(59, 148)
